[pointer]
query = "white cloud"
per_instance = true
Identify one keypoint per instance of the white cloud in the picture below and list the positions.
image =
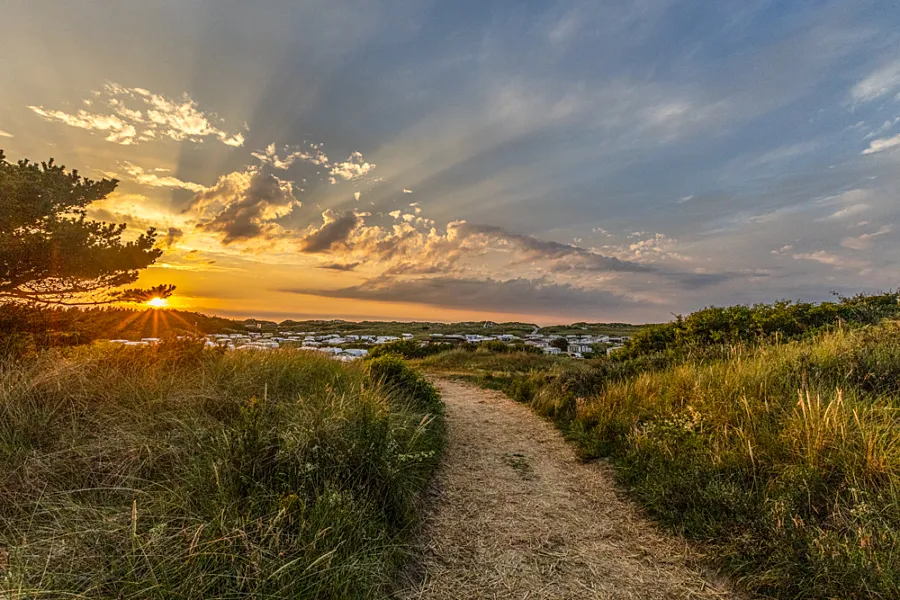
(312, 155)
(833, 260)
(864, 241)
(880, 82)
(848, 211)
(356, 196)
(149, 179)
(657, 247)
(120, 132)
(882, 144)
(6, 134)
(406, 191)
(353, 168)
(150, 116)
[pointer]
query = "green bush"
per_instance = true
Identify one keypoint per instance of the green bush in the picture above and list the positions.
(180, 472)
(398, 377)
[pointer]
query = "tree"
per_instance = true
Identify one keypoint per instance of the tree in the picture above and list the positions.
(51, 253)
(561, 343)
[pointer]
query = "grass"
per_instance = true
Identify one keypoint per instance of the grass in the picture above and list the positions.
(783, 461)
(485, 362)
(180, 472)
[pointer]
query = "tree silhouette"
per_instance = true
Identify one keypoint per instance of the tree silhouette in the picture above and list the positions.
(51, 253)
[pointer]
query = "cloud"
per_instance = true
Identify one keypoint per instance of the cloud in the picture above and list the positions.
(120, 132)
(312, 155)
(830, 259)
(880, 82)
(340, 266)
(353, 168)
(414, 246)
(652, 248)
(406, 191)
(882, 144)
(150, 179)
(861, 242)
(848, 211)
(150, 116)
(356, 196)
(6, 134)
(518, 295)
(335, 230)
(532, 248)
(244, 205)
(172, 236)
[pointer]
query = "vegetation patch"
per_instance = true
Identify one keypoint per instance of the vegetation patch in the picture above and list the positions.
(781, 459)
(182, 472)
(519, 463)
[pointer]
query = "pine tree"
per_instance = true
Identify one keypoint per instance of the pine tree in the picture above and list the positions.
(51, 253)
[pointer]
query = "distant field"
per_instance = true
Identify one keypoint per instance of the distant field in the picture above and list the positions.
(175, 472)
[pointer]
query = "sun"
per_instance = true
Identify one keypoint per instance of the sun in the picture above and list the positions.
(157, 302)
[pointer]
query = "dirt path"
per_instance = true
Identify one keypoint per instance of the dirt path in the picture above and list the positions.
(519, 516)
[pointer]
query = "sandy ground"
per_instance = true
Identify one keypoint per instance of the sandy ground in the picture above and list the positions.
(517, 515)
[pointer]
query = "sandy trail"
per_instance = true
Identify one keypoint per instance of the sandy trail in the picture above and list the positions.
(519, 516)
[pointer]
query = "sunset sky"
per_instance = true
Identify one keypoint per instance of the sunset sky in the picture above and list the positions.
(539, 161)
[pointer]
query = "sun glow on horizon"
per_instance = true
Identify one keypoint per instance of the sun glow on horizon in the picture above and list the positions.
(157, 302)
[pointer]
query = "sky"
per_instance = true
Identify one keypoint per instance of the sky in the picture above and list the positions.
(504, 160)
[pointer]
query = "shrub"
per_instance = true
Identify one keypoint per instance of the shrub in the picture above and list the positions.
(393, 373)
(495, 346)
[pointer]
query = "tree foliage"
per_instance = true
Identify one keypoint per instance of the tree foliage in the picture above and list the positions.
(561, 343)
(50, 252)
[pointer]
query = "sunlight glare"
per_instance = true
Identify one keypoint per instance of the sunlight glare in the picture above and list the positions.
(157, 302)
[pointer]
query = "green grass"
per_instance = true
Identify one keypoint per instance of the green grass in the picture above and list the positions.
(783, 461)
(179, 472)
(483, 361)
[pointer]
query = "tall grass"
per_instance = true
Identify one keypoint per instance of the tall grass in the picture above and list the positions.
(180, 472)
(783, 460)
